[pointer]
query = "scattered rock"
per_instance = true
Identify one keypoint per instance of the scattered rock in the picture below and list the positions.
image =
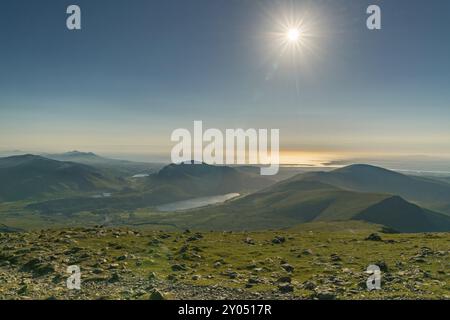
(373, 237)
(382, 265)
(154, 242)
(38, 267)
(254, 280)
(97, 271)
(284, 280)
(195, 237)
(278, 240)
(309, 285)
(172, 277)
(156, 295)
(324, 295)
(230, 274)
(285, 288)
(287, 267)
(178, 267)
(335, 257)
(114, 277)
(249, 241)
(23, 290)
(251, 266)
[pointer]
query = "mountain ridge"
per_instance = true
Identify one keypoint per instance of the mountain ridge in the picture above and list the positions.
(433, 194)
(297, 200)
(28, 176)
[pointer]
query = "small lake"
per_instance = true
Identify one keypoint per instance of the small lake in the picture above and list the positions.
(196, 202)
(141, 175)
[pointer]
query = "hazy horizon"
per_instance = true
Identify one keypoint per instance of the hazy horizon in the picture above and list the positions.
(415, 163)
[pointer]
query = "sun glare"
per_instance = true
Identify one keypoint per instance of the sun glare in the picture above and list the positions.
(293, 34)
(293, 37)
(296, 32)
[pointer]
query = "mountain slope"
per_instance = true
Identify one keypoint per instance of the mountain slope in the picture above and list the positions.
(170, 184)
(204, 180)
(299, 201)
(29, 176)
(365, 178)
(404, 216)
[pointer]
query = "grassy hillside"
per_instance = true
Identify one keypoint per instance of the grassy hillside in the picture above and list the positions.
(30, 176)
(298, 201)
(401, 215)
(365, 178)
(310, 261)
(68, 190)
(203, 179)
(172, 183)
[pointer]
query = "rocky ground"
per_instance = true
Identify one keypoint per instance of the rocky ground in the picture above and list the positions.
(289, 264)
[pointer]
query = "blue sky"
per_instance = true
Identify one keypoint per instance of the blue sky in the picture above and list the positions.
(139, 69)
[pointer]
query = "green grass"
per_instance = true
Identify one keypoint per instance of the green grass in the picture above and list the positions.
(406, 277)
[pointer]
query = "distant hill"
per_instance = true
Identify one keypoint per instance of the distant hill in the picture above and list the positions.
(404, 216)
(424, 191)
(76, 156)
(299, 201)
(123, 168)
(309, 197)
(283, 172)
(172, 183)
(204, 180)
(31, 176)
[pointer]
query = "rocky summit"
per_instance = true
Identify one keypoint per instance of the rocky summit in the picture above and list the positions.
(312, 262)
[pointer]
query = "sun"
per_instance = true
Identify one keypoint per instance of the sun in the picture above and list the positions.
(296, 32)
(293, 35)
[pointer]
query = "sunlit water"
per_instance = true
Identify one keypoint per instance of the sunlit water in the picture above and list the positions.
(196, 202)
(141, 175)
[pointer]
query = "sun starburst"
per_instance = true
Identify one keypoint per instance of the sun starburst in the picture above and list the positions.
(294, 36)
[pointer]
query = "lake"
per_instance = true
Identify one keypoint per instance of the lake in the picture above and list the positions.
(196, 202)
(141, 175)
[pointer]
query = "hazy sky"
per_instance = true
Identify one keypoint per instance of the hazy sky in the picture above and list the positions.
(139, 69)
